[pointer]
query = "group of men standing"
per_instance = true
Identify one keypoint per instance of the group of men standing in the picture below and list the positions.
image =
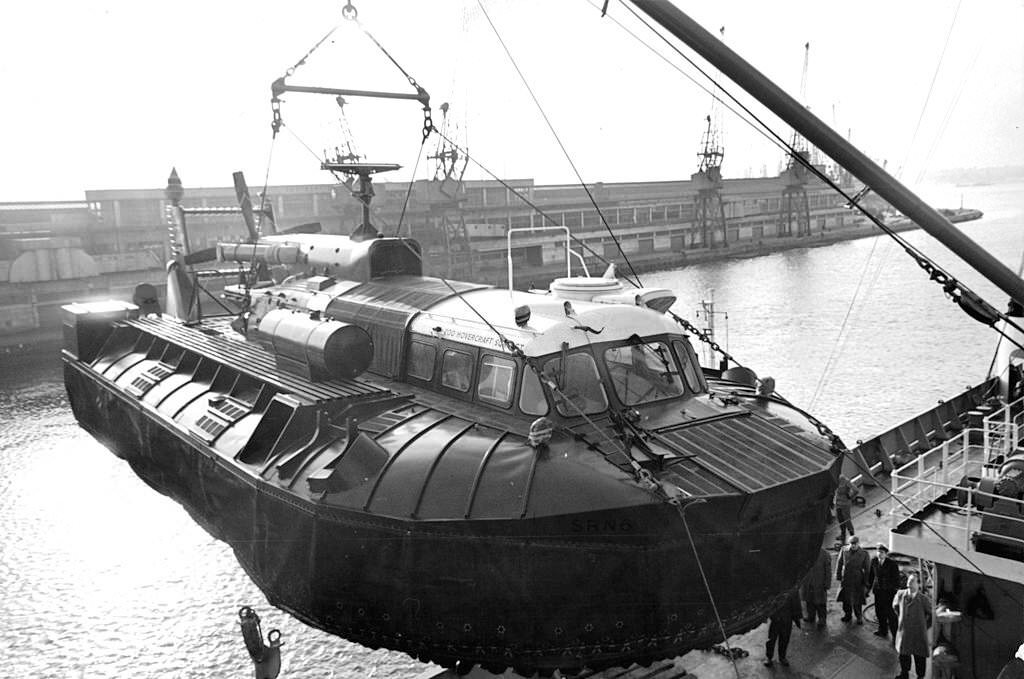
(905, 613)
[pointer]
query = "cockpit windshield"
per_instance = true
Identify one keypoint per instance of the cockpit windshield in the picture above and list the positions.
(642, 372)
(579, 385)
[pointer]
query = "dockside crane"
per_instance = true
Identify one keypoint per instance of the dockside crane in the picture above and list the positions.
(709, 210)
(794, 212)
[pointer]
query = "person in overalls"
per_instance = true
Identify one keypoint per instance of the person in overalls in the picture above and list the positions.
(843, 499)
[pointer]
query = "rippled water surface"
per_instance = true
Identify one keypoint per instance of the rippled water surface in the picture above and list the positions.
(102, 577)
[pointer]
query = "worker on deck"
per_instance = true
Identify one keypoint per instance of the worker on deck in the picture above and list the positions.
(845, 494)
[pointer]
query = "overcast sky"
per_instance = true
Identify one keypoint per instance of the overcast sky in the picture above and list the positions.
(112, 93)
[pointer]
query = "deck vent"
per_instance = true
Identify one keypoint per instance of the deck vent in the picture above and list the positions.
(149, 378)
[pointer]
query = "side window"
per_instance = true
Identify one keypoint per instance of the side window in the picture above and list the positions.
(421, 360)
(456, 370)
(580, 384)
(691, 367)
(497, 377)
(531, 396)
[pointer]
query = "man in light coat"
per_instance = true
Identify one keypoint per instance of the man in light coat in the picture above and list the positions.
(914, 609)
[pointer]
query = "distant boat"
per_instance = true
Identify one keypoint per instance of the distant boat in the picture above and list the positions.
(954, 215)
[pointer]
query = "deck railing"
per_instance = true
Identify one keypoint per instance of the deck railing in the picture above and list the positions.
(933, 480)
(933, 473)
(1004, 428)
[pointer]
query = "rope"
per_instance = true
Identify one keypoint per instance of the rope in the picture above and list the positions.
(931, 87)
(250, 280)
(949, 111)
(408, 191)
(713, 92)
(312, 49)
(551, 127)
(995, 354)
(527, 201)
(840, 343)
(707, 585)
(412, 81)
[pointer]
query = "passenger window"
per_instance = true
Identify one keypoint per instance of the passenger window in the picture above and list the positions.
(456, 370)
(579, 384)
(496, 379)
(421, 360)
(531, 396)
(691, 367)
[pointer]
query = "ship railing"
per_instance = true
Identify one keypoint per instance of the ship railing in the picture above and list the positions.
(960, 514)
(569, 252)
(921, 481)
(1004, 429)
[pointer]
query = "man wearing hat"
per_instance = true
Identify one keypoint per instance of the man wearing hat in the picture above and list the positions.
(884, 580)
(853, 574)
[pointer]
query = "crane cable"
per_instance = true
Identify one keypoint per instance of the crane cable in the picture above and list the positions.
(931, 88)
(551, 127)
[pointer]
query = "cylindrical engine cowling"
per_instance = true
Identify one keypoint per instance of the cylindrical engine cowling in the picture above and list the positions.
(271, 253)
(315, 348)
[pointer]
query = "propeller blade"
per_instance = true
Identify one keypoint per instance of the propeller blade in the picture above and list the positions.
(180, 292)
(200, 256)
(244, 202)
(268, 224)
(312, 227)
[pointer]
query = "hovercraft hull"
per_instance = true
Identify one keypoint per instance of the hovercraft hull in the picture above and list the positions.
(586, 589)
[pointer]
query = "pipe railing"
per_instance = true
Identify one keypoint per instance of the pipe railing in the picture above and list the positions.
(931, 474)
(969, 531)
(1004, 428)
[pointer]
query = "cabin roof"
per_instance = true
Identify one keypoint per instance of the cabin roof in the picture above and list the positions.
(459, 318)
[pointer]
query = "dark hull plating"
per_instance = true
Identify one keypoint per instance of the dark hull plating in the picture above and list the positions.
(584, 590)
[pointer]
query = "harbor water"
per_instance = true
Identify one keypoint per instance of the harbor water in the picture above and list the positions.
(102, 577)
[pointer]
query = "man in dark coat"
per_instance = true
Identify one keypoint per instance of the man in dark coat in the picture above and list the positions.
(884, 580)
(815, 588)
(853, 574)
(1015, 668)
(780, 628)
